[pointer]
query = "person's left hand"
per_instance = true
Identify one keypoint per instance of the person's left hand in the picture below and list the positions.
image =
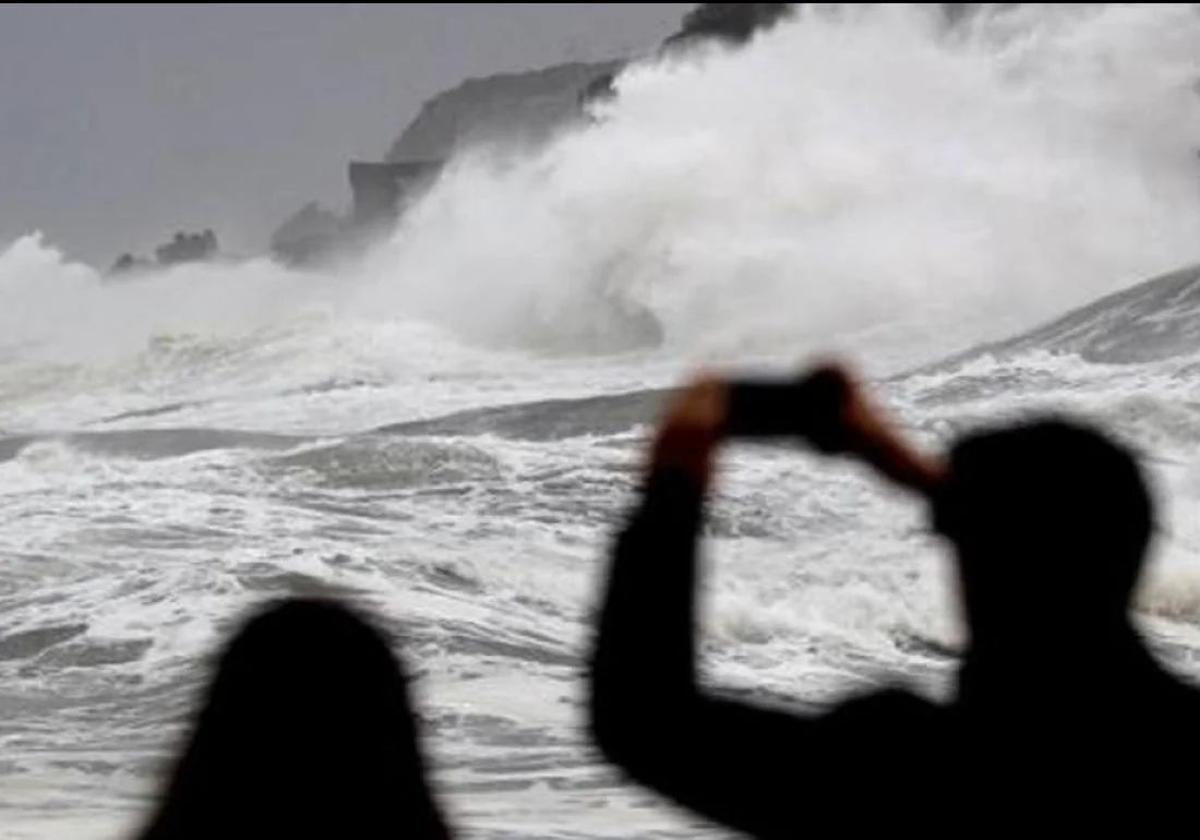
(691, 429)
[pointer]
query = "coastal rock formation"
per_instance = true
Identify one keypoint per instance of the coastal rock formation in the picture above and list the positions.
(382, 190)
(508, 110)
(308, 236)
(187, 247)
(526, 109)
(129, 264)
(182, 248)
(733, 23)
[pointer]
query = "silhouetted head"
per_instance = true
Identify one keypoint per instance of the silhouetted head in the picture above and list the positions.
(1051, 523)
(306, 731)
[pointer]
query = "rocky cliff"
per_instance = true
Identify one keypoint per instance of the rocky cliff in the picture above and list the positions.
(521, 109)
(510, 109)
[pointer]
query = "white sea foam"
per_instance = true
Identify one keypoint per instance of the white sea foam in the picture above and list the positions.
(865, 179)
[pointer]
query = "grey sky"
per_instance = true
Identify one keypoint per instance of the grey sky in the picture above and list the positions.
(121, 124)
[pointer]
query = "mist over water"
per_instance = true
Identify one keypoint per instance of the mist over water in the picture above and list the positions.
(865, 166)
(857, 166)
(178, 445)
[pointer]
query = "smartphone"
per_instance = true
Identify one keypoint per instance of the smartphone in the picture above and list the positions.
(808, 408)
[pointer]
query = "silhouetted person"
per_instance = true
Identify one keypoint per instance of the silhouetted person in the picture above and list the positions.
(306, 732)
(1061, 717)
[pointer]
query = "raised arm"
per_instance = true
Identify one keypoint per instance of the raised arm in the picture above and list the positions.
(736, 763)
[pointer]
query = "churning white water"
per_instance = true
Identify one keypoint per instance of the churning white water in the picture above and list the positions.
(178, 446)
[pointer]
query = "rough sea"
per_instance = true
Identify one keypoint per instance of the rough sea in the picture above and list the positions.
(450, 431)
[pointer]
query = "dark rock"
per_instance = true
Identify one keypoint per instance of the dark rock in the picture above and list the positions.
(507, 110)
(129, 264)
(599, 89)
(382, 190)
(309, 236)
(183, 248)
(187, 247)
(733, 23)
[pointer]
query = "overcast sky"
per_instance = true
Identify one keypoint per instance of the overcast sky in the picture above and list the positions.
(122, 124)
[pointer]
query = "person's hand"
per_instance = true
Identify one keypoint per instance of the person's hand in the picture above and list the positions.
(691, 429)
(860, 424)
(867, 433)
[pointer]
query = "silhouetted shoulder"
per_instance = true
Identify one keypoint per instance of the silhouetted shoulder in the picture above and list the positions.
(864, 765)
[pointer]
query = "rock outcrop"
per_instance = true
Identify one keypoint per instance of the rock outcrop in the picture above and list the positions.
(733, 23)
(182, 248)
(526, 109)
(187, 247)
(505, 112)
(508, 110)
(382, 190)
(309, 236)
(130, 264)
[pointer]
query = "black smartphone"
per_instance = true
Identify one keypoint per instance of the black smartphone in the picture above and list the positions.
(808, 407)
